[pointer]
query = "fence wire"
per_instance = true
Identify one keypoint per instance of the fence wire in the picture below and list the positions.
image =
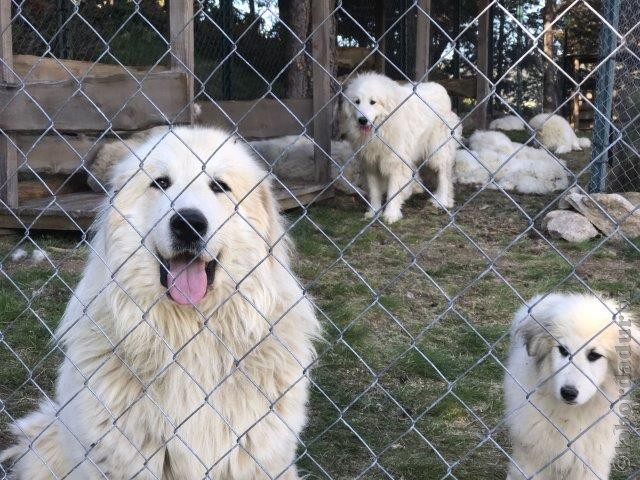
(415, 314)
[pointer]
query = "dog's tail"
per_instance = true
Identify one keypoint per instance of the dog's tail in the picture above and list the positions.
(37, 452)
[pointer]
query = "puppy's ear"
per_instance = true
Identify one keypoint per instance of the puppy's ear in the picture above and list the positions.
(536, 339)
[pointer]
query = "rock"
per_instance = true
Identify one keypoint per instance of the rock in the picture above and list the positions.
(633, 197)
(563, 204)
(618, 210)
(570, 226)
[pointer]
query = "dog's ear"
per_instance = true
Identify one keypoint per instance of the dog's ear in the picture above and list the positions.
(536, 339)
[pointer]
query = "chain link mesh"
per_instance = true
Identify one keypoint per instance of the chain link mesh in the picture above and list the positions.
(408, 378)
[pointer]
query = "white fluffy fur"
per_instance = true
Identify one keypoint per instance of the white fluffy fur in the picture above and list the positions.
(405, 132)
(217, 389)
(510, 122)
(516, 167)
(555, 133)
(581, 324)
(292, 157)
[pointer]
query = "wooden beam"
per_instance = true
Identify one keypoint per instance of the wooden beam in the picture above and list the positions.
(322, 109)
(120, 102)
(182, 56)
(8, 150)
(255, 119)
(423, 40)
(380, 26)
(482, 85)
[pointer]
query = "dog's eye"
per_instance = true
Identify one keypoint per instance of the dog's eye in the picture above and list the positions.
(161, 183)
(563, 351)
(357, 101)
(372, 102)
(218, 186)
(593, 356)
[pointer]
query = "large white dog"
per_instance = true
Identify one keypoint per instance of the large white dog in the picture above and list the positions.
(394, 130)
(187, 339)
(569, 362)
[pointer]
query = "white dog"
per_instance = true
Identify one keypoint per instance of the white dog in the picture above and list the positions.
(393, 130)
(187, 339)
(568, 363)
(555, 133)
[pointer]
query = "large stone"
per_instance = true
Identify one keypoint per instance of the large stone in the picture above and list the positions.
(563, 204)
(570, 226)
(633, 197)
(606, 211)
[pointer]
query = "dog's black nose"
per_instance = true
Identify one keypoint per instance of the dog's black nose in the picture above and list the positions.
(363, 120)
(188, 225)
(569, 393)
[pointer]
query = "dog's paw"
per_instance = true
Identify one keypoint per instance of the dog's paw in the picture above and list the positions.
(392, 216)
(441, 203)
(369, 214)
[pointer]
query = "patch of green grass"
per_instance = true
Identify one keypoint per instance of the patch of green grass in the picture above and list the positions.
(409, 381)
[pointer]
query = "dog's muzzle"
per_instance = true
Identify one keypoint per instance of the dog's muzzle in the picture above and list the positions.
(364, 124)
(186, 277)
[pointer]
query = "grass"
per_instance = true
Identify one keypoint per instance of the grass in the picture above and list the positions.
(408, 382)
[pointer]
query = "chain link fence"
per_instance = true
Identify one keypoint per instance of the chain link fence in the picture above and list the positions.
(407, 380)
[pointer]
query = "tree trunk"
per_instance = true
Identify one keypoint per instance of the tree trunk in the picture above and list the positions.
(296, 14)
(550, 100)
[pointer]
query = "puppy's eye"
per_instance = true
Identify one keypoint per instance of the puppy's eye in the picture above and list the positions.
(161, 183)
(563, 351)
(218, 186)
(357, 101)
(372, 102)
(593, 356)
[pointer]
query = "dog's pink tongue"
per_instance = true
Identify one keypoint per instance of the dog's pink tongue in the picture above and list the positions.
(187, 281)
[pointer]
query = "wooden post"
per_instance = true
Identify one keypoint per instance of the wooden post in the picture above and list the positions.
(8, 149)
(575, 108)
(322, 110)
(380, 26)
(181, 33)
(482, 85)
(423, 40)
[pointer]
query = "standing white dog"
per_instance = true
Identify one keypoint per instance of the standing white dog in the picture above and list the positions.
(393, 130)
(187, 339)
(568, 364)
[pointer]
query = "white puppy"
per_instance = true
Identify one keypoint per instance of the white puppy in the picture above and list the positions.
(187, 339)
(568, 363)
(555, 133)
(394, 130)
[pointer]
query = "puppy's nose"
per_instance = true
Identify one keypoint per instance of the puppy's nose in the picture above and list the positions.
(188, 225)
(363, 120)
(569, 393)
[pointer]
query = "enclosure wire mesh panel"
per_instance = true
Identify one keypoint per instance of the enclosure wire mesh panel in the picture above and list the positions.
(407, 381)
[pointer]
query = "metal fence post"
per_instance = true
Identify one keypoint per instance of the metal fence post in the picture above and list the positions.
(604, 99)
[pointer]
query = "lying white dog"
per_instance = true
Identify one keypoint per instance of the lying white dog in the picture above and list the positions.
(555, 133)
(394, 130)
(568, 363)
(507, 123)
(187, 339)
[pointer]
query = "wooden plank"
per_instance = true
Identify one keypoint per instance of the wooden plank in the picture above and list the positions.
(55, 154)
(33, 68)
(423, 40)
(182, 56)
(482, 85)
(268, 117)
(121, 102)
(380, 26)
(71, 211)
(323, 112)
(8, 150)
